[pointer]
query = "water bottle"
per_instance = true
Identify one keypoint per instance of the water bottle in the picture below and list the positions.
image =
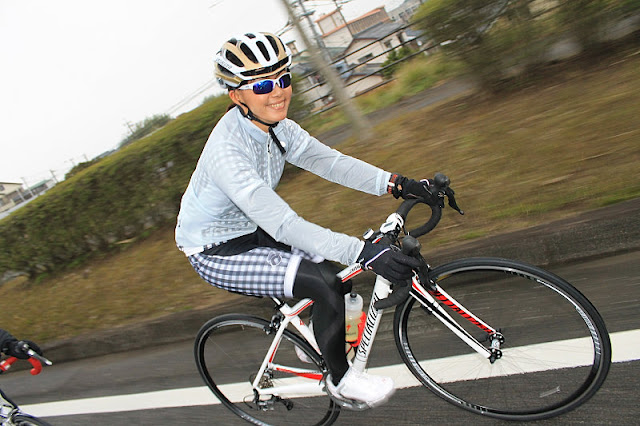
(354, 318)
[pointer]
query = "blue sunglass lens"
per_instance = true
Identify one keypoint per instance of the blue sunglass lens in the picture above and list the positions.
(285, 81)
(262, 87)
(266, 86)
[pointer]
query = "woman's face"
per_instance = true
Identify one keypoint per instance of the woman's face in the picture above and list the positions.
(270, 107)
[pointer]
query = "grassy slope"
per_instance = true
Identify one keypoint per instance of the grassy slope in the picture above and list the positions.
(567, 144)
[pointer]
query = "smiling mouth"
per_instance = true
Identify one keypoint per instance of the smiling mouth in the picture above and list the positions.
(279, 105)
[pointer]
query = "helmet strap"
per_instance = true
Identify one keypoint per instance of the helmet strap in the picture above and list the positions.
(251, 116)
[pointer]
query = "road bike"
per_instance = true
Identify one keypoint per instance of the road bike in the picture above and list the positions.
(10, 413)
(516, 343)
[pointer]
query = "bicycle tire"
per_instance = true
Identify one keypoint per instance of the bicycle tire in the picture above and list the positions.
(27, 420)
(224, 358)
(545, 370)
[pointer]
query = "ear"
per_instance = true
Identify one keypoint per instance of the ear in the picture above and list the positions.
(236, 97)
(233, 95)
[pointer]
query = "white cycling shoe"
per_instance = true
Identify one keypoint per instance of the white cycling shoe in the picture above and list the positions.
(359, 391)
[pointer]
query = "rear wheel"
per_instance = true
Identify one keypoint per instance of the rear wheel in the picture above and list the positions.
(556, 351)
(229, 351)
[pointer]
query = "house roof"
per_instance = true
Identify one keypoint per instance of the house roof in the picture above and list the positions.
(371, 12)
(378, 31)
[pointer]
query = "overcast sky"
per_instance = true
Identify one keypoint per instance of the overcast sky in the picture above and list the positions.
(73, 73)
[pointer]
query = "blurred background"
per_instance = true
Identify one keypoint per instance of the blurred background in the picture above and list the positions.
(530, 106)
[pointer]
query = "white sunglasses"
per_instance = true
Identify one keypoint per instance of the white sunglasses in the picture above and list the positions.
(265, 86)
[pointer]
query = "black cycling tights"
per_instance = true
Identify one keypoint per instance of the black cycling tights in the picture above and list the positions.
(318, 281)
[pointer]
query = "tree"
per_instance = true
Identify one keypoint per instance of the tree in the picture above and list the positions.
(394, 56)
(489, 36)
(298, 108)
(585, 19)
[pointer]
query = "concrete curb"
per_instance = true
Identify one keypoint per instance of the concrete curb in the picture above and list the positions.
(601, 232)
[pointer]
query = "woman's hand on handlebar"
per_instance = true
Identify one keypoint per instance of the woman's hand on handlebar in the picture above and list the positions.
(388, 262)
(410, 189)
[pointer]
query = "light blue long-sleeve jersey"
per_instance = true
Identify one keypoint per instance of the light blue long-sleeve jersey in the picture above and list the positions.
(232, 190)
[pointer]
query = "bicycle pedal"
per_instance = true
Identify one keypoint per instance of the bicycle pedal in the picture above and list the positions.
(349, 404)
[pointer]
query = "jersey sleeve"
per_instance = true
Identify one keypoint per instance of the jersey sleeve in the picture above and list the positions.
(233, 171)
(310, 154)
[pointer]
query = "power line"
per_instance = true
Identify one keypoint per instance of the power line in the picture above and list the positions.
(209, 84)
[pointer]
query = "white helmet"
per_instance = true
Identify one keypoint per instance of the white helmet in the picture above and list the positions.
(250, 56)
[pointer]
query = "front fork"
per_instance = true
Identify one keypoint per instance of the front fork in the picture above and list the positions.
(432, 301)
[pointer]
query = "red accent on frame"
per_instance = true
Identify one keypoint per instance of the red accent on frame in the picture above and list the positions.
(314, 376)
(351, 275)
(361, 324)
(441, 297)
(293, 314)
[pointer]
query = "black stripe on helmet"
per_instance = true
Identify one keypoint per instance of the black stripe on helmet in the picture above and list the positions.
(274, 44)
(264, 50)
(265, 70)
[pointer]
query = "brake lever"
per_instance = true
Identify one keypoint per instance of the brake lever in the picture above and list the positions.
(450, 193)
(411, 247)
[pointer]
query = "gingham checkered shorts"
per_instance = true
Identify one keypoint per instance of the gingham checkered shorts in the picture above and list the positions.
(263, 271)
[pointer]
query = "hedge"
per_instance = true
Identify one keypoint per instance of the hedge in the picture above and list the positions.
(133, 189)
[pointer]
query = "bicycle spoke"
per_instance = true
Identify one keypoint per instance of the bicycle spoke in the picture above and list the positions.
(230, 351)
(555, 354)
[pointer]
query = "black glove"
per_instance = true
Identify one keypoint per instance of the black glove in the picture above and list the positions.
(5, 338)
(17, 349)
(388, 261)
(409, 189)
(10, 346)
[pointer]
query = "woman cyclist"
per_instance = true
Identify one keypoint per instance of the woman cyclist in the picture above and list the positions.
(239, 235)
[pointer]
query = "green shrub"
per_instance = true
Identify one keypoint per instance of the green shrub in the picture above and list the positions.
(119, 197)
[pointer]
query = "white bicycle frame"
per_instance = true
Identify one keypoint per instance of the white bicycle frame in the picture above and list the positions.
(292, 316)
(431, 300)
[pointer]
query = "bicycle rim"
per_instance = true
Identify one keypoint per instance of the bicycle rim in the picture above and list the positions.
(555, 356)
(229, 351)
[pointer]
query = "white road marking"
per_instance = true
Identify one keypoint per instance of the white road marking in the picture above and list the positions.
(625, 344)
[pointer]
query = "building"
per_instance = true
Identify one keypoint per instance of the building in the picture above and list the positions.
(365, 55)
(403, 13)
(11, 194)
(358, 48)
(338, 33)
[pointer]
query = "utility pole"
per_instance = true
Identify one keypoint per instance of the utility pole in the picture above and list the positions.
(28, 188)
(317, 37)
(129, 126)
(361, 124)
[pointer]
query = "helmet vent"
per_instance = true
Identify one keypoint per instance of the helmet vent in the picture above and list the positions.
(233, 59)
(273, 43)
(264, 50)
(249, 35)
(249, 53)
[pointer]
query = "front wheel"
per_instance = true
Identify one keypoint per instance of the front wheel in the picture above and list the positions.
(555, 352)
(230, 350)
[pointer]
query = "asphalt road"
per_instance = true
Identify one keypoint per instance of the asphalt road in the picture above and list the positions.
(612, 284)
